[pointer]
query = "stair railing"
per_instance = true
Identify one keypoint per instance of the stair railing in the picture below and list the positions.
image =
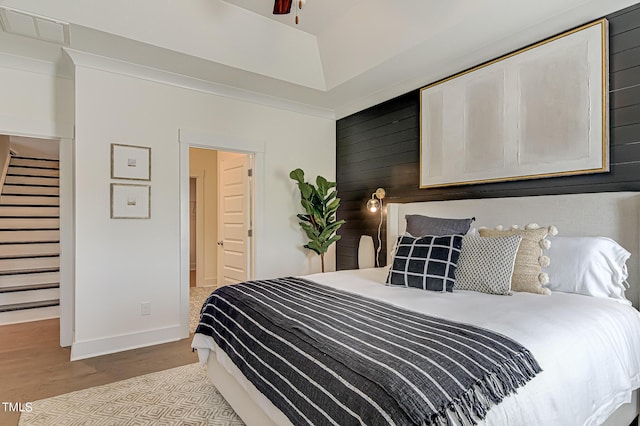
(5, 158)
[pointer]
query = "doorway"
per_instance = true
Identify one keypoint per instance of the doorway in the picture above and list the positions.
(31, 271)
(220, 222)
(255, 149)
(220, 217)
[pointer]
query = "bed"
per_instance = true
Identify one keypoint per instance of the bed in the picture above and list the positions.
(588, 348)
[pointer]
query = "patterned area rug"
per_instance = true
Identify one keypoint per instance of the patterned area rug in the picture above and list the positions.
(179, 396)
(197, 296)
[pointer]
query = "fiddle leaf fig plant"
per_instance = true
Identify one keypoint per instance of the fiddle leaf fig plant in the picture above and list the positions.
(320, 203)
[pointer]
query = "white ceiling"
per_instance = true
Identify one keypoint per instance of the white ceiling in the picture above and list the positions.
(315, 16)
(344, 56)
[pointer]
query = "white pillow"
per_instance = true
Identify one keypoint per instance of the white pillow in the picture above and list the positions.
(593, 266)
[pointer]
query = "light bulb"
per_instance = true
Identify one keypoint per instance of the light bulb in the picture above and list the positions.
(373, 205)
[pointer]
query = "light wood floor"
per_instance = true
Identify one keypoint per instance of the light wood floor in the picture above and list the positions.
(33, 365)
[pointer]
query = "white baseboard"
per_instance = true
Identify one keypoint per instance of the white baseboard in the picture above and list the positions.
(125, 342)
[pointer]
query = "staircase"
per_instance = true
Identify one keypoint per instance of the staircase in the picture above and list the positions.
(30, 241)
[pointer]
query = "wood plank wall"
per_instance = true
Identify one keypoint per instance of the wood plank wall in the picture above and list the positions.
(379, 147)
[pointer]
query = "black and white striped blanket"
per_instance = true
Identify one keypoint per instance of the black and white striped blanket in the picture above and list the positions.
(325, 356)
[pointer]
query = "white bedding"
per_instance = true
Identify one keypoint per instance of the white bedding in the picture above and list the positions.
(588, 348)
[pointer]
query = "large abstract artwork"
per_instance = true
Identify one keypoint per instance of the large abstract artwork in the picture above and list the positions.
(539, 112)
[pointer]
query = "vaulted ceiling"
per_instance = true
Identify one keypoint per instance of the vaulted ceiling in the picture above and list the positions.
(344, 56)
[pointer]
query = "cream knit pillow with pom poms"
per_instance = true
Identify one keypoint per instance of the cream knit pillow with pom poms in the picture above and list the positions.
(527, 272)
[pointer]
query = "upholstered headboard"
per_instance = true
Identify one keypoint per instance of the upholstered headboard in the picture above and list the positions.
(608, 214)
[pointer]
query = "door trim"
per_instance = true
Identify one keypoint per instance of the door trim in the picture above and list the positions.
(67, 242)
(201, 280)
(195, 139)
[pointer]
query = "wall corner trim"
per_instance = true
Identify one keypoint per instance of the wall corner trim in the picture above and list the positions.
(103, 346)
(103, 63)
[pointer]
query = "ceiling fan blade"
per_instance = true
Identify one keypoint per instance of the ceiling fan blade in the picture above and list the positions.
(282, 7)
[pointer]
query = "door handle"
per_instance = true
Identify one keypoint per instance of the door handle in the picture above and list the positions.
(221, 243)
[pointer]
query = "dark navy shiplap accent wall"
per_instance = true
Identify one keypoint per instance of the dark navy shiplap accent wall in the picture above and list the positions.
(380, 147)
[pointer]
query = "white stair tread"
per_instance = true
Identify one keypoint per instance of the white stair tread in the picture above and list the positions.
(30, 249)
(31, 162)
(32, 171)
(15, 289)
(23, 211)
(7, 265)
(29, 296)
(30, 190)
(29, 236)
(29, 279)
(29, 200)
(28, 180)
(14, 317)
(29, 223)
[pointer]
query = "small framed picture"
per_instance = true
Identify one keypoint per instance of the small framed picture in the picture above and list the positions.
(130, 162)
(130, 201)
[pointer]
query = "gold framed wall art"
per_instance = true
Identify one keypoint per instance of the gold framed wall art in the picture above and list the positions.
(130, 201)
(539, 112)
(130, 162)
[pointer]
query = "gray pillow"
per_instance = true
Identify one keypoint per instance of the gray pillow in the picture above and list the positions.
(485, 265)
(419, 225)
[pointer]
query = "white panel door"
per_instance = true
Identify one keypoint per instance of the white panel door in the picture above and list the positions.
(233, 218)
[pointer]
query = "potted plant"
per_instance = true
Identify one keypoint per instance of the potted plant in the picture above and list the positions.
(320, 204)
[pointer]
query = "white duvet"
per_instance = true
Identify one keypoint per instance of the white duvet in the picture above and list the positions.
(588, 348)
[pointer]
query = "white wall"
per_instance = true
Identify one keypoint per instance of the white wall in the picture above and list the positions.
(121, 263)
(34, 103)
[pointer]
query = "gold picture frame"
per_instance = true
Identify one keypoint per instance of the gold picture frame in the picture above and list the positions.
(130, 201)
(130, 162)
(513, 118)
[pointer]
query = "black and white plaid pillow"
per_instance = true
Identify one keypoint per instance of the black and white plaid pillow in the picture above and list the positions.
(428, 262)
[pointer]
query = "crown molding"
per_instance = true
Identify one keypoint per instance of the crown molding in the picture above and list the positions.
(103, 63)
